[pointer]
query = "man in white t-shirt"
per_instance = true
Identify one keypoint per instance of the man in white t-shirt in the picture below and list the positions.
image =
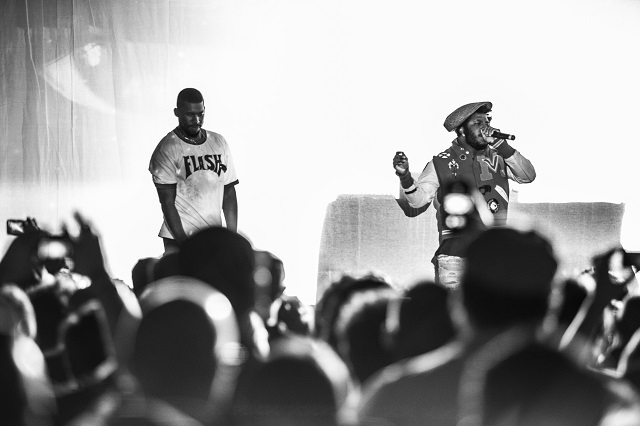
(193, 171)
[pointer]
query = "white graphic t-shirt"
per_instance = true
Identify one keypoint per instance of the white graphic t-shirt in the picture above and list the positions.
(200, 172)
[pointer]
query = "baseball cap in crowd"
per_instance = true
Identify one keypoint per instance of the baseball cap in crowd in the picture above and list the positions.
(457, 117)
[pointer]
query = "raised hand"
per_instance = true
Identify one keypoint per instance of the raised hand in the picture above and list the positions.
(486, 132)
(401, 163)
(88, 258)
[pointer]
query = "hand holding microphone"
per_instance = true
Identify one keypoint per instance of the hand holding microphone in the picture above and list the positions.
(493, 135)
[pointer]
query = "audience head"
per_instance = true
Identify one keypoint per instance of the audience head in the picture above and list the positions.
(173, 354)
(359, 332)
(508, 277)
(303, 381)
(187, 349)
(331, 301)
(419, 321)
(225, 260)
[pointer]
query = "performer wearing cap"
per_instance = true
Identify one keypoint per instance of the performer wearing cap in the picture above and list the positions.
(476, 157)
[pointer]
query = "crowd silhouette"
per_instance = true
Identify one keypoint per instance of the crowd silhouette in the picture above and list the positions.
(209, 335)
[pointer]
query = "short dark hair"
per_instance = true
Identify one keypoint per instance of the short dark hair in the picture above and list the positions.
(168, 329)
(335, 296)
(189, 95)
(223, 259)
(508, 276)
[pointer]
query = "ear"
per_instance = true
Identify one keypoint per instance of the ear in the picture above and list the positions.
(175, 112)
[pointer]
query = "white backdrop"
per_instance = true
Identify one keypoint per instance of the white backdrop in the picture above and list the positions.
(314, 98)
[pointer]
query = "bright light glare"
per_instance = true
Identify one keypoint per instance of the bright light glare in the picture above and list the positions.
(218, 307)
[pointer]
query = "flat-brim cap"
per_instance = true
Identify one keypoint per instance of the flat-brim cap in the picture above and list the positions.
(457, 117)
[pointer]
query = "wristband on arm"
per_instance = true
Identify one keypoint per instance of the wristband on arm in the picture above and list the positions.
(504, 149)
(406, 180)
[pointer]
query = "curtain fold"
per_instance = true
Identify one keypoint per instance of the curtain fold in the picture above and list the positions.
(87, 89)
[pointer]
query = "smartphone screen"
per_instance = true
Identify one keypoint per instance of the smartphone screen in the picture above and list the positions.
(15, 226)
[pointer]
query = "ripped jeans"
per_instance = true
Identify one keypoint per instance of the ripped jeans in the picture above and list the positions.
(448, 270)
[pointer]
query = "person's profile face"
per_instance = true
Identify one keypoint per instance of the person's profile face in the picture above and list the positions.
(190, 117)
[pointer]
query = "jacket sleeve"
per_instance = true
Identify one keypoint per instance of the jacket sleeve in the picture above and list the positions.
(423, 190)
(519, 168)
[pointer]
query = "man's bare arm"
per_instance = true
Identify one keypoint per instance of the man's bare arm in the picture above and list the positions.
(167, 196)
(230, 207)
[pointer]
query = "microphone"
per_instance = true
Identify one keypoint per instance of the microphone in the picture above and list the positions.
(500, 135)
